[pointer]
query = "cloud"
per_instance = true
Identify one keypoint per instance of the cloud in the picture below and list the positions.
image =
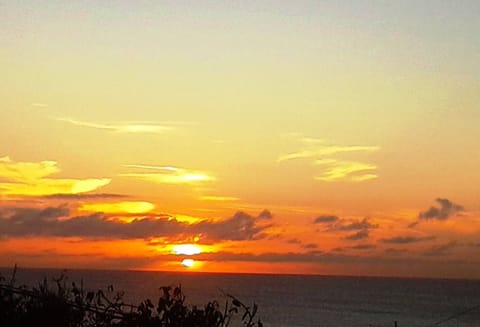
(85, 196)
(441, 250)
(311, 256)
(265, 214)
(333, 169)
(347, 226)
(360, 228)
(218, 198)
(30, 178)
(362, 247)
(353, 171)
(315, 148)
(445, 211)
(124, 127)
(53, 186)
(406, 239)
(338, 257)
(57, 221)
(151, 167)
(294, 241)
(314, 256)
(325, 219)
(360, 235)
(25, 172)
(241, 226)
(301, 244)
(168, 175)
(129, 207)
(29, 221)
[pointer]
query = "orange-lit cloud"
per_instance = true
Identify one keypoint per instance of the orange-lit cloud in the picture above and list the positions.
(29, 178)
(169, 175)
(26, 171)
(129, 207)
(187, 219)
(85, 196)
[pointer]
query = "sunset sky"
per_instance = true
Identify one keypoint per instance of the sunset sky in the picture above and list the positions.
(311, 137)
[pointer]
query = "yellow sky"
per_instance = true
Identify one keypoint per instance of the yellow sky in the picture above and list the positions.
(317, 138)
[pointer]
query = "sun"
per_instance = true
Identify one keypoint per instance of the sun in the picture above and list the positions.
(187, 249)
(189, 263)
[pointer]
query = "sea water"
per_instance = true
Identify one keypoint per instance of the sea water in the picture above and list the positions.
(296, 300)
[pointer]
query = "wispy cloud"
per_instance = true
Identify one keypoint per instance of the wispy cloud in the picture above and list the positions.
(352, 225)
(316, 148)
(168, 174)
(359, 228)
(30, 178)
(294, 241)
(325, 219)
(218, 198)
(362, 247)
(337, 170)
(441, 250)
(150, 167)
(406, 239)
(324, 156)
(83, 196)
(125, 127)
(360, 235)
(310, 246)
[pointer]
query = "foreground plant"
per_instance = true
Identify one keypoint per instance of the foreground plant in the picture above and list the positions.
(71, 306)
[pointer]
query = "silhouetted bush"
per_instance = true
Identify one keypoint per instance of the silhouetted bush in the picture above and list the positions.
(71, 306)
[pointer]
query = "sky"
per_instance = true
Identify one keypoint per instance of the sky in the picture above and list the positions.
(298, 137)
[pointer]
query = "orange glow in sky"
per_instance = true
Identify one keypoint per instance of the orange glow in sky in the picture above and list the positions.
(312, 138)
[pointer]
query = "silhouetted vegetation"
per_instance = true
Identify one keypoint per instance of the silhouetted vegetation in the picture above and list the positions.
(70, 305)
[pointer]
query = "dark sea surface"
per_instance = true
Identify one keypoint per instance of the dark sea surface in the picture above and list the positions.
(293, 300)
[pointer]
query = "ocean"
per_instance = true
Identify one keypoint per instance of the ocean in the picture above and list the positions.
(297, 300)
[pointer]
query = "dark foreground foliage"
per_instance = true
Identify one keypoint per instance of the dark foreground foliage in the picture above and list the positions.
(72, 306)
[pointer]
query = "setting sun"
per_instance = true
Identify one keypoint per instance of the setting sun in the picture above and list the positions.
(186, 249)
(189, 263)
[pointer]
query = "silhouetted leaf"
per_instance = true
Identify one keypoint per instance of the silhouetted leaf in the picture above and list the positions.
(236, 303)
(90, 296)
